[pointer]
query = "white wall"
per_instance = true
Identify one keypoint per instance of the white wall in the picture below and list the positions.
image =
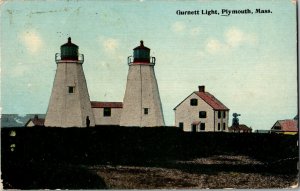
(188, 114)
(114, 119)
(69, 109)
(141, 92)
(221, 121)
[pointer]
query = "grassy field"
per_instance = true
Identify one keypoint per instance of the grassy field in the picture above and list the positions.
(145, 158)
(214, 172)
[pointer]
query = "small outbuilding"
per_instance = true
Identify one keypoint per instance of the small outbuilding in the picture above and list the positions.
(287, 126)
(36, 121)
(107, 113)
(241, 128)
(201, 112)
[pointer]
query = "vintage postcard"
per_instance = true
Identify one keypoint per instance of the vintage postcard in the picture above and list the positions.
(149, 94)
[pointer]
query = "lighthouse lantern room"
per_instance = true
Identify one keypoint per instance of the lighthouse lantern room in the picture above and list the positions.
(69, 104)
(141, 104)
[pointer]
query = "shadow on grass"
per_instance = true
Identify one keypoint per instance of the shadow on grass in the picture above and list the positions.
(49, 176)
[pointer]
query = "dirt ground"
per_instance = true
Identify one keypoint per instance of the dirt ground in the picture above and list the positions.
(212, 172)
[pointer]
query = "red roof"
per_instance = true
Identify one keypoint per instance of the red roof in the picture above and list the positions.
(240, 127)
(211, 100)
(99, 104)
(287, 125)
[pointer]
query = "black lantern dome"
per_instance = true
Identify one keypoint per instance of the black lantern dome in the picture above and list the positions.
(141, 53)
(69, 51)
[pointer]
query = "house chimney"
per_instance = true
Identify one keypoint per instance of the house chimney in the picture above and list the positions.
(201, 88)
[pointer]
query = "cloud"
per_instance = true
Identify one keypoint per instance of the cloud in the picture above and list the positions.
(195, 31)
(233, 38)
(110, 44)
(32, 41)
(19, 70)
(213, 46)
(178, 27)
(181, 28)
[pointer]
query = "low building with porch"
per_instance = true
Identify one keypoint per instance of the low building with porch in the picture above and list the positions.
(201, 112)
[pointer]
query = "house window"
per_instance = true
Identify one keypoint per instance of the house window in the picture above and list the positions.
(194, 128)
(224, 114)
(219, 126)
(202, 126)
(107, 112)
(202, 114)
(181, 125)
(219, 114)
(194, 102)
(146, 111)
(224, 126)
(71, 89)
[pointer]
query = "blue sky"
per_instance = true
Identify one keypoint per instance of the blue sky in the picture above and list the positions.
(249, 62)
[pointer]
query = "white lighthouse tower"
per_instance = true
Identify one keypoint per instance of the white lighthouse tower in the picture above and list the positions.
(141, 104)
(69, 104)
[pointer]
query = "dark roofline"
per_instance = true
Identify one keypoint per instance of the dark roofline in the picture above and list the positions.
(27, 122)
(31, 119)
(141, 46)
(116, 105)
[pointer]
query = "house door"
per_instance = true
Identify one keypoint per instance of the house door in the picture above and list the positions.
(194, 128)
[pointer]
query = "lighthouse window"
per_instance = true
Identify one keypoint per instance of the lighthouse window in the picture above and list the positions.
(71, 89)
(194, 102)
(107, 112)
(146, 111)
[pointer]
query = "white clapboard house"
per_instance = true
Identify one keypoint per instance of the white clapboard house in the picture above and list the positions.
(201, 112)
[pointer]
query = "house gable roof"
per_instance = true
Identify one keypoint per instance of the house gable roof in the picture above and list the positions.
(100, 104)
(209, 99)
(36, 121)
(240, 127)
(290, 125)
(182, 101)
